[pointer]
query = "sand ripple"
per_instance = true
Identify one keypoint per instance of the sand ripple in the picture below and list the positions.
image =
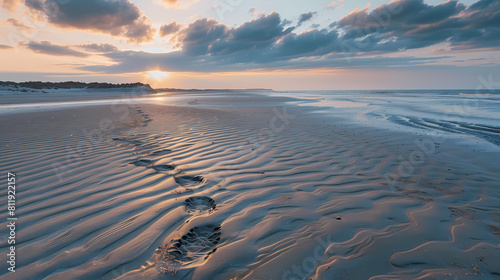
(215, 194)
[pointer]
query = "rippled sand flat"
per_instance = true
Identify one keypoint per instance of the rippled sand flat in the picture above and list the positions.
(246, 186)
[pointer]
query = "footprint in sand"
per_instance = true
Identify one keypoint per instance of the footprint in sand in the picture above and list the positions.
(189, 181)
(127, 141)
(163, 167)
(142, 162)
(192, 249)
(199, 204)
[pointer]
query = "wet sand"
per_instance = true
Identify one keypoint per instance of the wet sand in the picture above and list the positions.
(245, 186)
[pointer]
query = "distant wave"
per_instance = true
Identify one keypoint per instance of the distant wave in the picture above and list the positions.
(486, 132)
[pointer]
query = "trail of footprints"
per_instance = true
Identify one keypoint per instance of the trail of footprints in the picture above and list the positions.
(199, 243)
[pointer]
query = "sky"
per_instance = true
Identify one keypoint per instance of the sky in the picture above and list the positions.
(282, 45)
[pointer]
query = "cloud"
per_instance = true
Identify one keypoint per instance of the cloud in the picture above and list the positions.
(310, 43)
(209, 37)
(410, 24)
(11, 5)
(5, 47)
(305, 17)
(286, 22)
(174, 3)
(51, 49)
(360, 39)
(253, 36)
(118, 17)
(132, 62)
(171, 28)
(18, 24)
(199, 37)
(99, 48)
(400, 15)
(177, 4)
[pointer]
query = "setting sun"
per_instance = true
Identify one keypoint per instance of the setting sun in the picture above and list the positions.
(157, 75)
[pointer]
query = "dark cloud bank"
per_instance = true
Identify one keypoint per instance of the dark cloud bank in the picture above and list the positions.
(270, 43)
(118, 17)
(51, 49)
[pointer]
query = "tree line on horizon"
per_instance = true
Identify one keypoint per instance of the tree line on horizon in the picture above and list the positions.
(69, 85)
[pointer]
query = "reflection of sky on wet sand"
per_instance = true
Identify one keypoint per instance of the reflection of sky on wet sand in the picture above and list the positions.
(44, 106)
(337, 104)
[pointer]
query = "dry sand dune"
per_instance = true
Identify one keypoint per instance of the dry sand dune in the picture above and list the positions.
(247, 187)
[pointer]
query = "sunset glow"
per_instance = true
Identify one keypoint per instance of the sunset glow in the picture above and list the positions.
(157, 75)
(161, 40)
